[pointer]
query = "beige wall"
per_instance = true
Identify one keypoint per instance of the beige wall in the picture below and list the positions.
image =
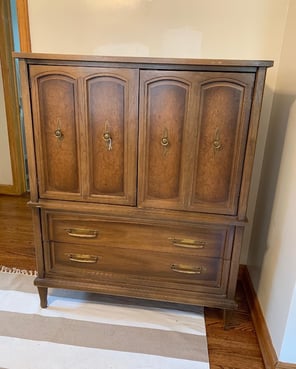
(180, 28)
(5, 164)
(184, 28)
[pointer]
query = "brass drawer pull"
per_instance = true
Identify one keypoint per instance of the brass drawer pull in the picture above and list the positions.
(81, 233)
(82, 258)
(186, 269)
(184, 242)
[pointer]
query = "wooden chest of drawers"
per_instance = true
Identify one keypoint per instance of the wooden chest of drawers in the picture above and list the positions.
(140, 171)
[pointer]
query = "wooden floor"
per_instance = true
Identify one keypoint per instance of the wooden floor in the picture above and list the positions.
(235, 348)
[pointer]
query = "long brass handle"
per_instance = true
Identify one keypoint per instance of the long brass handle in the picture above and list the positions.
(82, 233)
(107, 136)
(186, 269)
(217, 145)
(188, 243)
(82, 258)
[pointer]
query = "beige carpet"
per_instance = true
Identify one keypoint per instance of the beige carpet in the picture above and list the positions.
(80, 330)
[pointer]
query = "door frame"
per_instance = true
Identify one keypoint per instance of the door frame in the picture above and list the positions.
(10, 90)
(23, 25)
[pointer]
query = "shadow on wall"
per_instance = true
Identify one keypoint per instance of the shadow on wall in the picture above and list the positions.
(269, 177)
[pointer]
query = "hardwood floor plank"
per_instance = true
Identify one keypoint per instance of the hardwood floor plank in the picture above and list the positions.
(234, 348)
(237, 347)
(16, 233)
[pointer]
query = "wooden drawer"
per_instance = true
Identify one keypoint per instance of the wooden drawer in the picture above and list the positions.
(140, 267)
(83, 230)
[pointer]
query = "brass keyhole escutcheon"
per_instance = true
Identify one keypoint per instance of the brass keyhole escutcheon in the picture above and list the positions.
(217, 145)
(164, 141)
(59, 134)
(106, 136)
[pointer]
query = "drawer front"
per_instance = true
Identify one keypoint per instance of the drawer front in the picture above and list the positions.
(83, 230)
(129, 266)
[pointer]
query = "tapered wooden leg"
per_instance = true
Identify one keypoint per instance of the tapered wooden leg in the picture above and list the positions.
(43, 296)
(228, 319)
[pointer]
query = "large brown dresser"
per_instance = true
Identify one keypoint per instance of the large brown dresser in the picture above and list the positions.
(140, 171)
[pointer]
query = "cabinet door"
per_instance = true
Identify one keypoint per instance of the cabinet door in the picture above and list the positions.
(224, 103)
(112, 114)
(166, 112)
(193, 136)
(85, 126)
(56, 131)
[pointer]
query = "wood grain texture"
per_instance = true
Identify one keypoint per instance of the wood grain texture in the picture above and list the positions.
(224, 108)
(192, 128)
(235, 348)
(281, 365)
(250, 65)
(26, 104)
(23, 25)
(204, 117)
(74, 161)
(268, 352)
(17, 247)
(11, 102)
(251, 141)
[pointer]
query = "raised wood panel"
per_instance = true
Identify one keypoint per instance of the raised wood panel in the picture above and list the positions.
(164, 125)
(205, 118)
(54, 111)
(223, 120)
(106, 116)
(112, 135)
(166, 115)
(83, 105)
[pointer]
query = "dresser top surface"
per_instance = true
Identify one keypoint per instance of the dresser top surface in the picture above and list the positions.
(44, 58)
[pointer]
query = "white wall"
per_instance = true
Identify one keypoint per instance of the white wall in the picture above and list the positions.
(272, 254)
(5, 163)
(288, 345)
(278, 272)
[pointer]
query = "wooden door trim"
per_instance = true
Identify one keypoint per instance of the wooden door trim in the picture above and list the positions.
(11, 103)
(265, 343)
(23, 25)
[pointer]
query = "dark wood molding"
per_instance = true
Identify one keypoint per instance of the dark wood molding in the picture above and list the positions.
(11, 102)
(268, 352)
